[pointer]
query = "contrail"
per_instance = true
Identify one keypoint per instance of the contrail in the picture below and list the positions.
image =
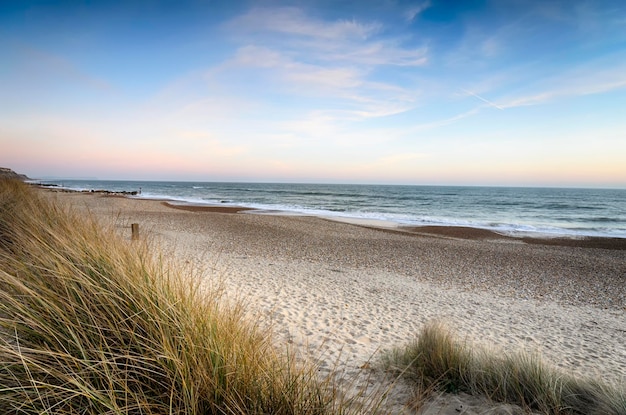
(483, 99)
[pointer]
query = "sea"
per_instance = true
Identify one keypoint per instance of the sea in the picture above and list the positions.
(517, 211)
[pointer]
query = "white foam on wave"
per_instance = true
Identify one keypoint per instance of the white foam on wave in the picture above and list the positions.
(391, 220)
(395, 220)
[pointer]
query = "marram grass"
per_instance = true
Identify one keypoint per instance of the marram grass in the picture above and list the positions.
(437, 359)
(93, 324)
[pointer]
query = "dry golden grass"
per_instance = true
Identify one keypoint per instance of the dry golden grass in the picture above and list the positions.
(438, 359)
(93, 324)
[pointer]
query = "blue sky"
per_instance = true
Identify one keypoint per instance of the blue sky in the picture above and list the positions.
(505, 92)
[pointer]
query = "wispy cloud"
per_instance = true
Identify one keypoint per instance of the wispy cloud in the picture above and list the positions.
(279, 75)
(542, 53)
(482, 99)
(294, 22)
(414, 11)
(587, 80)
(346, 41)
(380, 53)
(335, 61)
(292, 70)
(348, 89)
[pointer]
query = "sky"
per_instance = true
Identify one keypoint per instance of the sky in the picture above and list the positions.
(502, 92)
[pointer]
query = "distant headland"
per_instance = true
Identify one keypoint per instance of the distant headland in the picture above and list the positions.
(6, 173)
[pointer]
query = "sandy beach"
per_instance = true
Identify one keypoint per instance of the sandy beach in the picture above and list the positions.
(348, 292)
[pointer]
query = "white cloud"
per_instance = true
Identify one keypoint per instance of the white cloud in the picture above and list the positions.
(381, 53)
(293, 21)
(326, 77)
(412, 13)
(286, 70)
(345, 86)
(338, 63)
(260, 56)
(587, 80)
(311, 39)
(492, 104)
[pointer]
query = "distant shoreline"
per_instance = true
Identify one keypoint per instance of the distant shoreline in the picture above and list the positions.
(495, 215)
(456, 232)
(444, 231)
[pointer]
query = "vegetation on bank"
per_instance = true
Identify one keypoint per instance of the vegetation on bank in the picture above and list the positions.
(93, 324)
(438, 360)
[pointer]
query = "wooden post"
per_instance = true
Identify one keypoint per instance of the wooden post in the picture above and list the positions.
(135, 231)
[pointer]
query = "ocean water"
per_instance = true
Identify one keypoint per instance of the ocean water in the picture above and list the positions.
(509, 210)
